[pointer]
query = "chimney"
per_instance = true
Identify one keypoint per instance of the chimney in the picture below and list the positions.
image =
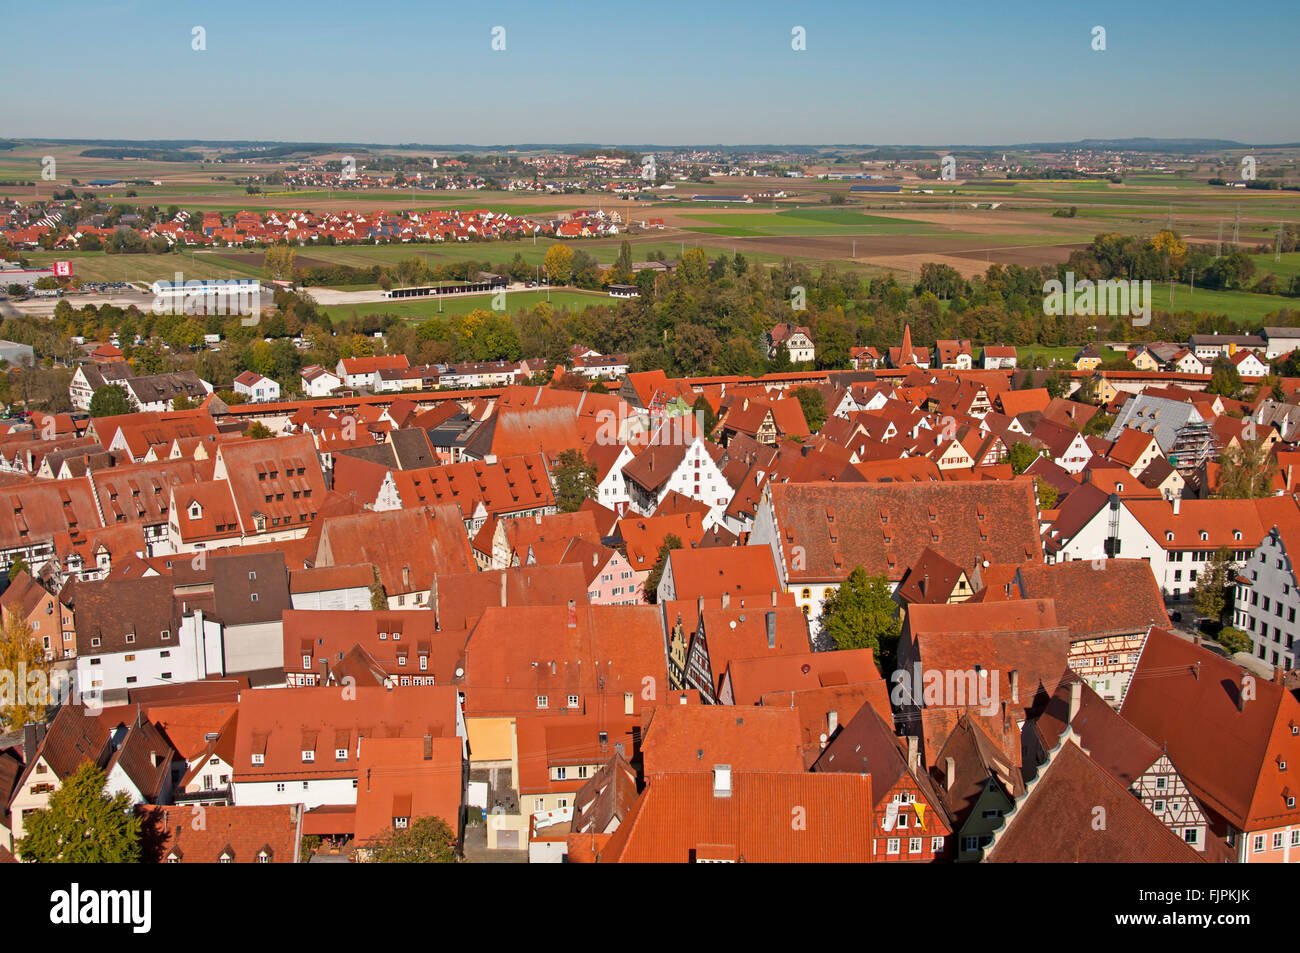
(30, 741)
(1177, 501)
(503, 588)
(773, 598)
(1076, 699)
(324, 670)
(726, 600)
(832, 720)
(428, 747)
(949, 773)
(406, 578)
(1015, 685)
(573, 615)
(722, 780)
(771, 630)
(913, 755)
(1241, 693)
(699, 605)
(433, 603)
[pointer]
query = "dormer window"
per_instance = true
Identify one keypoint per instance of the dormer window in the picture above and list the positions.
(1204, 535)
(340, 754)
(308, 756)
(259, 759)
(196, 511)
(401, 823)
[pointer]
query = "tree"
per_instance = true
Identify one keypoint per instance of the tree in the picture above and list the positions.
(1246, 472)
(378, 600)
(671, 542)
(18, 565)
(279, 261)
(814, 406)
(82, 825)
(1047, 494)
(258, 430)
(861, 614)
(1234, 640)
(109, 401)
(1214, 585)
(24, 673)
(575, 480)
(702, 410)
(558, 264)
(1098, 424)
(1021, 456)
(428, 840)
(1225, 379)
(621, 272)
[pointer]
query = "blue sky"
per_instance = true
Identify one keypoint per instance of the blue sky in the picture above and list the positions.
(655, 72)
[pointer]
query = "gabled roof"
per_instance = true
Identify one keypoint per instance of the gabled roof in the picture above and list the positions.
(1054, 822)
(519, 653)
(679, 819)
(1228, 748)
(682, 738)
(736, 571)
(407, 547)
(241, 832)
(885, 526)
(1126, 587)
(408, 777)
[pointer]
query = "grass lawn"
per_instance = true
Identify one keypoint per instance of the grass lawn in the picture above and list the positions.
(419, 310)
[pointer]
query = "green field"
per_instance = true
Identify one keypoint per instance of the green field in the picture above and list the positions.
(420, 310)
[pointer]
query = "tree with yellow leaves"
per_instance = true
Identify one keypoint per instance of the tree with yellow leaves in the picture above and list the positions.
(558, 264)
(24, 674)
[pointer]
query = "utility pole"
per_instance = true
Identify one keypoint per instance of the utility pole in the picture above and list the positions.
(1277, 247)
(1236, 227)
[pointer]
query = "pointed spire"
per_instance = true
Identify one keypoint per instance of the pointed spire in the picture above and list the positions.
(907, 343)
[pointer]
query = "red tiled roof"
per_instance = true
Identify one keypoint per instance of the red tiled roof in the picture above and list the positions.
(679, 819)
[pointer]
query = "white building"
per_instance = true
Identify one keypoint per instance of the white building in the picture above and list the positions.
(257, 388)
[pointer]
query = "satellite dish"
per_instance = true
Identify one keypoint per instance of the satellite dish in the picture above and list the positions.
(460, 673)
(732, 623)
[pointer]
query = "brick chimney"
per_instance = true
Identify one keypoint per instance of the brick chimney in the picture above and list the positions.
(1015, 686)
(1076, 699)
(771, 630)
(913, 755)
(949, 773)
(726, 600)
(503, 588)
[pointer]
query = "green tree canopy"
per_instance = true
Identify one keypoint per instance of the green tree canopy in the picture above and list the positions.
(862, 614)
(1021, 456)
(82, 825)
(428, 840)
(671, 541)
(109, 401)
(814, 406)
(1246, 472)
(575, 480)
(1214, 586)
